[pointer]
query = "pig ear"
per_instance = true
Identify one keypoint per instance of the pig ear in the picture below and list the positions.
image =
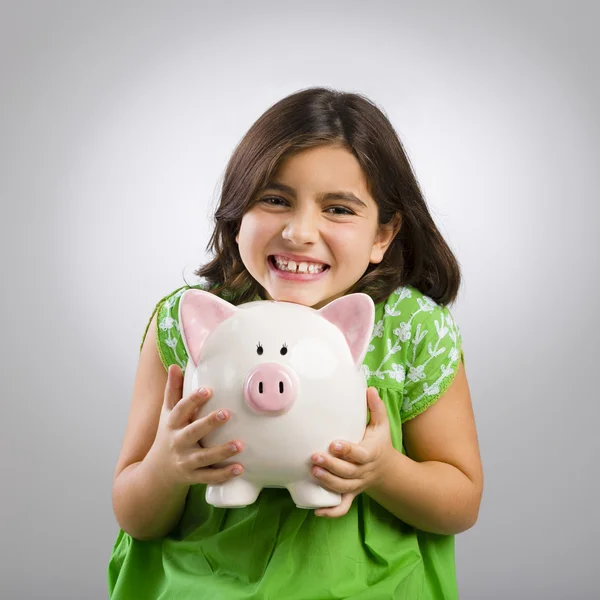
(354, 315)
(200, 313)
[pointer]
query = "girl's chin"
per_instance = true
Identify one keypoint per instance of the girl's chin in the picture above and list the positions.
(312, 300)
(295, 299)
(307, 299)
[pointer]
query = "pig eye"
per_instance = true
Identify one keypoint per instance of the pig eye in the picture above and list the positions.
(283, 349)
(259, 348)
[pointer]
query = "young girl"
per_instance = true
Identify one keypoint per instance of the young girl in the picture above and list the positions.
(319, 200)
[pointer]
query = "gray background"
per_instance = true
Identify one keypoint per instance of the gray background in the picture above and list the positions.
(116, 122)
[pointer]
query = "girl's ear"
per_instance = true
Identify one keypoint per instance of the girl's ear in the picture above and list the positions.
(385, 236)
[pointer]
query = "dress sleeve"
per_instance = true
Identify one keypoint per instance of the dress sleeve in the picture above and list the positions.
(168, 338)
(168, 334)
(433, 357)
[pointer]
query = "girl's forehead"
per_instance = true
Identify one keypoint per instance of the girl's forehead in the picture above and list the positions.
(322, 159)
(322, 171)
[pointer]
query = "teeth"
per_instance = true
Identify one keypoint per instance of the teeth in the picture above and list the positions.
(293, 267)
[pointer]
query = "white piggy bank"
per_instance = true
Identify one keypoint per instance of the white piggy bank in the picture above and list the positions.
(291, 377)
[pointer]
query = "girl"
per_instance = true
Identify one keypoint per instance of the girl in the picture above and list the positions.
(319, 200)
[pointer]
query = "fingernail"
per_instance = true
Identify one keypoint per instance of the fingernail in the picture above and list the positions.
(337, 447)
(233, 448)
(318, 472)
(202, 392)
(236, 471)
(221, 415)
(319, 460)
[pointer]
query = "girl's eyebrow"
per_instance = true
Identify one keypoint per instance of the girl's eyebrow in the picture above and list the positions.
(338, 195)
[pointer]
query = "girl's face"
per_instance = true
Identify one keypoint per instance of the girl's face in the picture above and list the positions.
(313, 230)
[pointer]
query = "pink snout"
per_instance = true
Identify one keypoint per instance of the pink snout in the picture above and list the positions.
(271, 388)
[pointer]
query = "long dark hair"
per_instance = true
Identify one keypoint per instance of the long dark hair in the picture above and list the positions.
(418, 256)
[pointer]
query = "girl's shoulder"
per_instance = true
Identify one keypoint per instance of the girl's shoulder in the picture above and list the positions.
(168, 334)
(171, 348)
(415, 349)
(405, 309)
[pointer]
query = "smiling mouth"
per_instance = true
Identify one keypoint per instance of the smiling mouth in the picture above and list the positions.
(303, 268)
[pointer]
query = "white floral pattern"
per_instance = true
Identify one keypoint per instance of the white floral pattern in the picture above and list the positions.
(167, 323)
(420, 352)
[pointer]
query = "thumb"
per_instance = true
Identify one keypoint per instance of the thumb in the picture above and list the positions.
(174, 387)
(376, 407)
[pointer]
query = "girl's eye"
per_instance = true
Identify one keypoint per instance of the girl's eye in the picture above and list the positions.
(276, 201)
(273, 201)
(340, 210)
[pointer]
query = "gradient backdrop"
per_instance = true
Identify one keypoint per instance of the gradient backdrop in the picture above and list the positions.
(116, 123)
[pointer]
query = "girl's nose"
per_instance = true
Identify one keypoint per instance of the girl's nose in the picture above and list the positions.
(302, 228)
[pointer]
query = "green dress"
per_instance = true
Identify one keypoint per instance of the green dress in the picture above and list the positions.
(272, 550)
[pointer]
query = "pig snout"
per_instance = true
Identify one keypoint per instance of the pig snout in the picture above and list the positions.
(271, 388)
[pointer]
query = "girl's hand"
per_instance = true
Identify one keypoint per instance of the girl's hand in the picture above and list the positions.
(355, 467)
(176, 451)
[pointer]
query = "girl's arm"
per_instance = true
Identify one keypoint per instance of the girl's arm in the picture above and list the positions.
(145, 503)
(161, 456)
(438, 486)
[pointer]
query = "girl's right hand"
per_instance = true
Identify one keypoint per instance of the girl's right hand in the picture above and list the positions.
(176, 451)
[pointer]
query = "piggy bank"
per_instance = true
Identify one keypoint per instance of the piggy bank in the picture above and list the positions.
(291, 377)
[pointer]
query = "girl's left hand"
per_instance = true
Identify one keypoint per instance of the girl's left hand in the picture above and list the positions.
(354, 468)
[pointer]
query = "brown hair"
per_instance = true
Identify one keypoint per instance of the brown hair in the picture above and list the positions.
(417, 256)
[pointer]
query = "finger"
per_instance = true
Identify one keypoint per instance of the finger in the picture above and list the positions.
(207, 457)
(184, 410)
(356, 453)
(335, 483)
(217, 475)
(337, 511)
(174, 387)
(337, 466)
(195, 431)
(377, 408)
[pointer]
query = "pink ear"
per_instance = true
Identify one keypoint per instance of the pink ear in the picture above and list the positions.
(354, 315)
(200, 313)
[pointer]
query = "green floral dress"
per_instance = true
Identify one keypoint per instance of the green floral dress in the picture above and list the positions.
(272, 550)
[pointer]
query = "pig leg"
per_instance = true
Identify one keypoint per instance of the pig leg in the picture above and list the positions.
(234, 493)
(309, 494)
